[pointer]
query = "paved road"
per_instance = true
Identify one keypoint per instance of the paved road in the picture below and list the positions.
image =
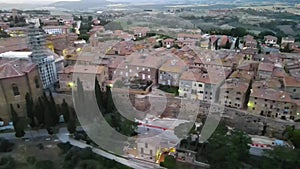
(29, 134)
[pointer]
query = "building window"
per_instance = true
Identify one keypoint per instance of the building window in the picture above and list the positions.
(18, 106)
(237, 98)
(15, 89)
(36, 82)
(199, 85)
(146, 145)
(294, 90)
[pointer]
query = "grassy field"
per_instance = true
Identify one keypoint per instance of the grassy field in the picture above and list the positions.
(22, 150)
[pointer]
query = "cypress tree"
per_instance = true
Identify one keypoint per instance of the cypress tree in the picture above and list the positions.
(53, 111)
(29, 109)
(99, 96)
(18, 126)
(110, 102)
(80, 91)
(65, 110)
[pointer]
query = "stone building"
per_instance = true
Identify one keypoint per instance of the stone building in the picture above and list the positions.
(271, 103)
(170, 71)
(86, 73)
(292, 86)
(17, 77)
(265, 70)
(233, 93)
(185, 84)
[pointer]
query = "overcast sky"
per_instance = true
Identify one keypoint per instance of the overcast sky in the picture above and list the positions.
(36, 1)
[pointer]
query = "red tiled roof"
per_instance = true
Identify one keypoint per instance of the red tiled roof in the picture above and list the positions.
(14, 67)
(13, 44)
(290, 81)
(271, 94)
(266, 67)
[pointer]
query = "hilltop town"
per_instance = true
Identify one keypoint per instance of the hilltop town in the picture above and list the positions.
(157, 78)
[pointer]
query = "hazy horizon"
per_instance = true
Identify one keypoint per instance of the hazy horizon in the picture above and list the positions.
(35, 1)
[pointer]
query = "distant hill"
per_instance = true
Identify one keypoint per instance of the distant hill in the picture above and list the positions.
(81, 5)
(9, 6)
(204, 1)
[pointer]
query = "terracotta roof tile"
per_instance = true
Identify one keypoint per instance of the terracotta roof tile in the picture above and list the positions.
(15, 67)
(271, 94)
(290, 81)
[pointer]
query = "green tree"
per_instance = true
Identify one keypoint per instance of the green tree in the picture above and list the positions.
(53, 111)
(169, 162)
(65, 110)
(45, 164)
(39, 111)
(3, 34)
(99, 96)
(29, 109)
(110, 102)
(17, 122)
(281, 157)
(261, 35)
(90, 18)
(5, 145)
(7, 162)
(72, 122)
(238, 32)
(80, 92)
(227, 151)
(237, 43)
(83, 36)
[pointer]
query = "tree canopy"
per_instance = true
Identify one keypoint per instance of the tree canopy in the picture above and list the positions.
(226, 149)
